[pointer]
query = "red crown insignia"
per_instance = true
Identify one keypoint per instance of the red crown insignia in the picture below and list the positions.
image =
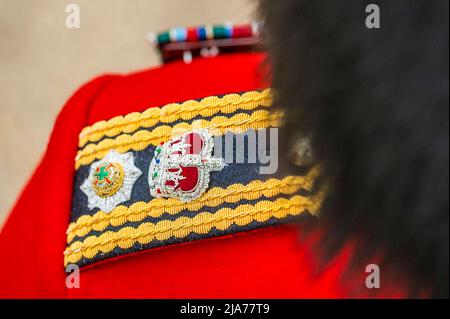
(181, 167)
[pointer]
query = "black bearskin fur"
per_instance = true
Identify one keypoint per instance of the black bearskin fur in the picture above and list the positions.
(374, 103)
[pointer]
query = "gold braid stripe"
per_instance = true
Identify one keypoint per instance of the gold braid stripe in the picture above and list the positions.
(212, 198)
(183, 226)
(171, 112)
(141, 139)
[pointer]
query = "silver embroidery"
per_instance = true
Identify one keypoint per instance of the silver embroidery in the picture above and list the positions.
(181, 167)
(121, 192)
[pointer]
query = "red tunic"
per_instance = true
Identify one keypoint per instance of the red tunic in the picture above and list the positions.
(273, 262)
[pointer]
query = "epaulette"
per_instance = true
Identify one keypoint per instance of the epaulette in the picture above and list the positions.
(182, 172)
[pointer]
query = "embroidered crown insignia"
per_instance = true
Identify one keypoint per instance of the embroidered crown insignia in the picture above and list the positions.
(181, 167)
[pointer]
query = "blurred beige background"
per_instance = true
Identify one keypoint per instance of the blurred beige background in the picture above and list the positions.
(42, 62)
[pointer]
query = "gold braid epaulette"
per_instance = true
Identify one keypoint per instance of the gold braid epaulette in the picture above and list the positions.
(241, 202)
